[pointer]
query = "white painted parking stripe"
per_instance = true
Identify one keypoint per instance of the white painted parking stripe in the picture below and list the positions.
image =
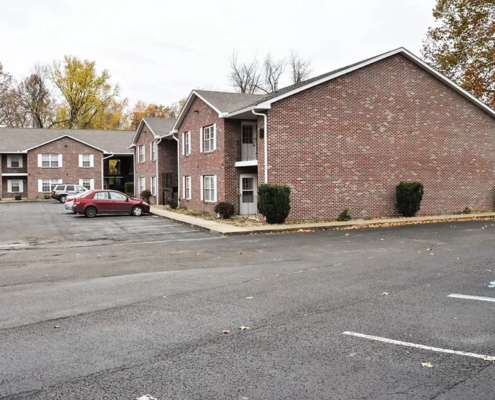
(419, 346)
(480, 298)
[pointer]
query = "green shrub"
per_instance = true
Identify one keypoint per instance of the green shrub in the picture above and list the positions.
(344, 215)
(47, 197)
(225, 210)
(129, 188)
(145, 195)
(274, 203)
(467, 210)
(408, 198)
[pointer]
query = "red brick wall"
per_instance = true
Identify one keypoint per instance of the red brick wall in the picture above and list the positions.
(3, 182)
(348, 143)
(70, 171)
(197, 164)
(146, 169)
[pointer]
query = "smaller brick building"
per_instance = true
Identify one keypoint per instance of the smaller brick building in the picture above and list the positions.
(155, 159)
(33, 161)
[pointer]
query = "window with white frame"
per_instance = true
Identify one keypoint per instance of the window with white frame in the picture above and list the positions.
(210, 188)
(14, 161)
(187, 188)
(15, 186)
(86, 183)
(153, 186)
(47, 185)
(86, 160)
(142, 184)
(141, 153)
(209, 143)
(153, 151)
(51, 160)
(187, 143)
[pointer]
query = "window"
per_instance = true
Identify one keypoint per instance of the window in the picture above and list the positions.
(142, 184)
(210, 188)
(117, 196)
(153, 151)
(141, 153)
(187, 188)
(101, 196)
(14, 161)
(50, 160)
(86, 183)
(209, 138)
(14, 186)
(187, 143)
(70, 188)
(47, 185)
(153, 186)
(86, 160)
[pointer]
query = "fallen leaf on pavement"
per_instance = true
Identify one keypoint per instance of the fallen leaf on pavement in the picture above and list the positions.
(249, 298)
(385, 293)
(244, 328)
(57, 326)
(427, 365)
(489, 359)
(226, 331)
(240, 252)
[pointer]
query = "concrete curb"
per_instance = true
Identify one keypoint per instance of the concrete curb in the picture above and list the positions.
(220, 229)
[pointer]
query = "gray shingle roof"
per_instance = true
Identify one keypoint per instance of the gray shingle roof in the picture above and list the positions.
(227, 102)
(160, 126)
(19, 139)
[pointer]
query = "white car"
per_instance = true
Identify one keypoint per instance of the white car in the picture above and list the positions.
(70, 199)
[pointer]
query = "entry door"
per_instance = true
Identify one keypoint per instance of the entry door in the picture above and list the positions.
(248, 142)
(249, 194)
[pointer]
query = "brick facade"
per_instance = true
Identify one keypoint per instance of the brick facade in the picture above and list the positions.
(70, 172)
(4, 169)
(167, 164)
(347, 143)
(146, 169)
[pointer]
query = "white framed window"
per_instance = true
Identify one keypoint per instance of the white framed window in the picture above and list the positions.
(86, 160)
(186, 143)
(87, 183)
(15, 186)
(209, 138)
(47, 185)
(210, 188)
(142, 184)
(14, 161)
(153, 151)
(153, 186)
(187, 188)
(142, 155)
(50, 160)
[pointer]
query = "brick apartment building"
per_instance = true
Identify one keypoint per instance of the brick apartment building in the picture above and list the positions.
(34, 160)
(344, 139)
(155, 160)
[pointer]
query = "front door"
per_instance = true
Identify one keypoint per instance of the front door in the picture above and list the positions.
(248, 142)
(249, 194)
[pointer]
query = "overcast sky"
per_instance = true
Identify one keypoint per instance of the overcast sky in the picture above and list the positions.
(158, 51)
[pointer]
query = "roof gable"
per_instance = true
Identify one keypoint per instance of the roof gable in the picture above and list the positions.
(159, 127)
(59, 138)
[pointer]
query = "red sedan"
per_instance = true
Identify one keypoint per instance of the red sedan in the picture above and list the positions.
(109, 202)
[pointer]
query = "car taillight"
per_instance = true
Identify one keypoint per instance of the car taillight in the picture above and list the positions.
(76, 200)
(53, 192)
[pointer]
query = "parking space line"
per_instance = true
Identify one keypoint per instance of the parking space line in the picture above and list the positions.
(419, 346)
(480, 298)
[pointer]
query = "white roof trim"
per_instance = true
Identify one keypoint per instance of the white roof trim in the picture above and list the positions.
(186, 108)
(61, 137)
(138, 132)
(267, 104)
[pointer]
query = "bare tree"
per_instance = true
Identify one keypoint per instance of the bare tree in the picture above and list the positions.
(300, 68)
(245, 77)
(6, 83)
(273, 72)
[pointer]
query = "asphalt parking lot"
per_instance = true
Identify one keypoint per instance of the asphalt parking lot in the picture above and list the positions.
(393, 313)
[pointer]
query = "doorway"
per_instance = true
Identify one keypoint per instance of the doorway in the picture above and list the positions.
(248, 204)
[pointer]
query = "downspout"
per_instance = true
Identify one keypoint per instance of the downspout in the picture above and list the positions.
(178, 169)
(103, 169)
(157, 180)
(265, 138)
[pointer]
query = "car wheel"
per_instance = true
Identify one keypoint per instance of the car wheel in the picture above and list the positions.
(63, 199)
(137, 211)
(90, 212)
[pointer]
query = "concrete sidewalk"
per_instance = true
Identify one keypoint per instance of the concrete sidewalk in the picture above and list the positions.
(218, 228)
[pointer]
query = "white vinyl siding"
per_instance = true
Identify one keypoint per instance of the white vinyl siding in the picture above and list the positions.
(15, 186)
(86, 160)
(142, 155)
(14, 161)
(50, 160)
(187, 188)
(47, 185)
(209, 188)
(209, 138)
(87, 183)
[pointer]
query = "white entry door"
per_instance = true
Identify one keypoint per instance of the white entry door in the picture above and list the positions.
(248, 142)
(249, 194)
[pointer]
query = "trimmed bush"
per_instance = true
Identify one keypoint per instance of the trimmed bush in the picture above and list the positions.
(274, 202)
(408, 198)
(129, 188)
(47, 197)
(467, 210)
(344, 215)
(17, 197)
(225, 210)
(145, 195)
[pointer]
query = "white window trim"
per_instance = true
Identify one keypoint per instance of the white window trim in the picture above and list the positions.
(214, 141)
(91, 183)
(201, 140)
(51, 158)
(51, 182)
(187, 191)
(214, 184)
(142, 185)
(143, 154)
(201, 187)
(153, 185)
(9, 161)
(9, 186)
(187, 143)
(91, 160)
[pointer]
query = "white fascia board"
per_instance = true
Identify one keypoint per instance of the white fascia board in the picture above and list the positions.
(61, 137)
(242, 111)
(183, 112)
(138, 132)
(14, 174)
